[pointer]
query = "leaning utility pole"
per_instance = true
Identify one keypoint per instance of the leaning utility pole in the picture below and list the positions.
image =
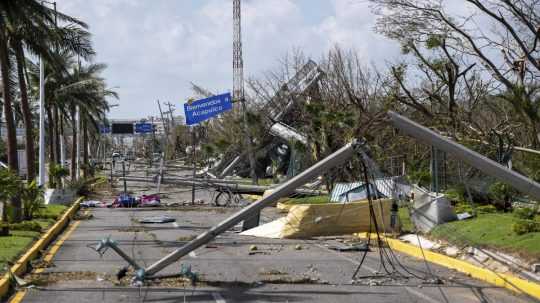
(238, 82)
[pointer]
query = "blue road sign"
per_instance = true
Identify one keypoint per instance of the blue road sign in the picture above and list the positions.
(143, 128)
(200, 110)
(104, 129)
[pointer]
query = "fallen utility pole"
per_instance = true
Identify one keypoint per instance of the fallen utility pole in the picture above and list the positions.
(482, 163)
(335, 159)
(230, 185)
(230, 167)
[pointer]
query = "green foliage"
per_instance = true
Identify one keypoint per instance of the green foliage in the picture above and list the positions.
(10, 184)
(9, 187)
(525, 213)
(490, 231)
(486, 209)
(308, 200)
(501, 194)
(50, 212)
(56, 173)
(82, 186)
(434, 41)
(463, 207)
(405, 219)
(422, 177)
(525, 221)
(525, 227)
(456, 193)
(14, 244)
(26, 225)
(32, 199)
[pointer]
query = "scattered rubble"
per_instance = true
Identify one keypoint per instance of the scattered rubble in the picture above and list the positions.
(185, 238)
(271, 272)
(452, 251)
(83, 216)
(157, 219)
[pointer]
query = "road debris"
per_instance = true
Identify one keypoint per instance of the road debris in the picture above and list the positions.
(355, 247)
(157, 219)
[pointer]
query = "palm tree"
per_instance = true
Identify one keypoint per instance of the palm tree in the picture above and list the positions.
(87, 91)
(71, 38)
(26, 24)
(75, 87)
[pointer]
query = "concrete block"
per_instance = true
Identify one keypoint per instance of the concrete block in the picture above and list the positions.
(452, 251)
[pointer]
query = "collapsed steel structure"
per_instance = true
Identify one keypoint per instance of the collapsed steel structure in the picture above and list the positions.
(277, 118)
(409, 127)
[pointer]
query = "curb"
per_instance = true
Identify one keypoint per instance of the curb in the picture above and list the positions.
(507, 281)
(21, 265)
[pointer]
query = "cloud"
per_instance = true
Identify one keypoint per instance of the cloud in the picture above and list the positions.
(154, 49)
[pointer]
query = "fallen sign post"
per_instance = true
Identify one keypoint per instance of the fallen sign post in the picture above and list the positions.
(333, 160)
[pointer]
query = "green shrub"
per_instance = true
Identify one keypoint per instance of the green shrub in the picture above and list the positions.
(525, 221)
(463, 207)
(420, 177)
(486, 209)
(32, 199)
(9, 187)
(502, 194)
(26, 225)
(50, 212)
(82, 186)
(524, 227)
(525, 213)
(456, 194)
(56, 173)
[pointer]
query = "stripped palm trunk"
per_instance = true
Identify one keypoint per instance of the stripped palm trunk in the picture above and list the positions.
(85, 146)
(27, 114)
(74, 145)
(5, 67)
(50, 134)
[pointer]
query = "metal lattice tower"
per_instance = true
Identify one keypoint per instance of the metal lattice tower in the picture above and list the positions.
(238, 63)
(238, 83)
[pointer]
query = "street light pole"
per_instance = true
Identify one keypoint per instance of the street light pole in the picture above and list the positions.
(41, 156)
(42, 171)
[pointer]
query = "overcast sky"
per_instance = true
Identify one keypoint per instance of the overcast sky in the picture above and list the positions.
(154, 48)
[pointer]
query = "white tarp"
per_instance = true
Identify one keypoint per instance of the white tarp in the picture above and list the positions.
(271, 229)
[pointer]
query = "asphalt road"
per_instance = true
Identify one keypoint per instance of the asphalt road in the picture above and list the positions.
(230, 271)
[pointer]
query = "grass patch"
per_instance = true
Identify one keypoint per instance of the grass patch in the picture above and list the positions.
(14, 244)
(51, 212)
(26, 233)
(307, 200)
(490, 231)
